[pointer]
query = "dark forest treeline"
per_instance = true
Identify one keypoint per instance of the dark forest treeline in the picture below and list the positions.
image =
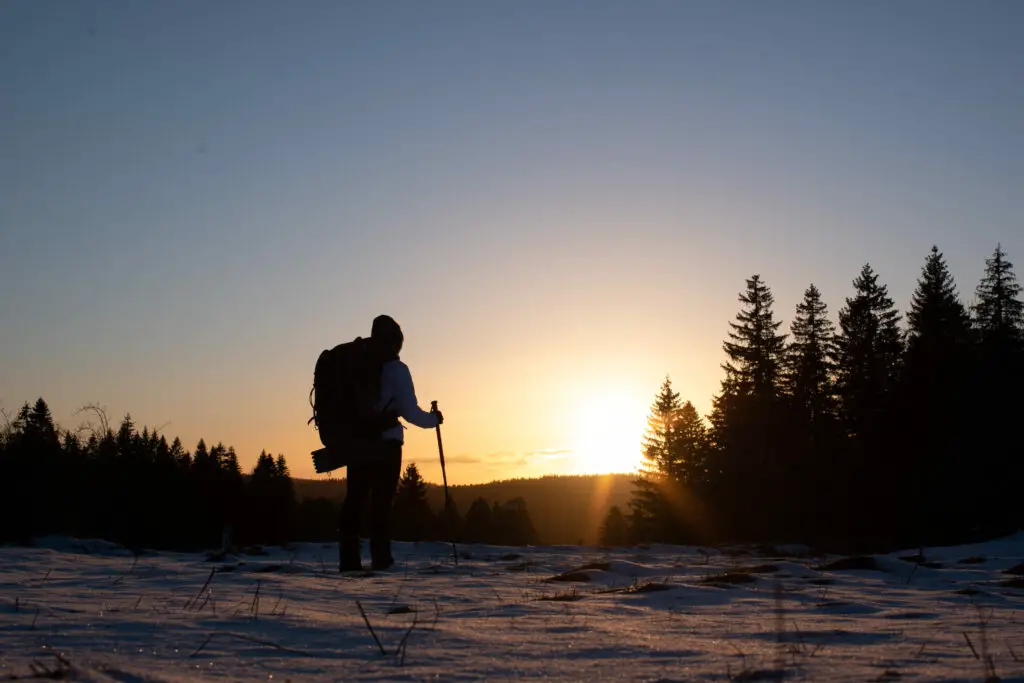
(872, 432)
(415, 519)
(565, 509)
(135, 488)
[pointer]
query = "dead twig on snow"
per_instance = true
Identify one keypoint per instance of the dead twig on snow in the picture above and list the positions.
(988, 663)
(368, 626)
(402, 645)
(971, 645)
(205, 586)
(780, 627)
(254, 608)
(277, 604)
(131, 570)
(250, 639)
(61, 672)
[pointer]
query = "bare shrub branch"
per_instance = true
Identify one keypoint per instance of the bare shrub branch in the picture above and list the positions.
(94, 411)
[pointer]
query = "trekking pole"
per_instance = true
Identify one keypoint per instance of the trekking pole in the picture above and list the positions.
(444, 478)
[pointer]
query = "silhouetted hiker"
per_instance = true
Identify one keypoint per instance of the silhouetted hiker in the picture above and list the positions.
(377, 480)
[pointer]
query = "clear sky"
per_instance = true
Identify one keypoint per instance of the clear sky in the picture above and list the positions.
(558, 200)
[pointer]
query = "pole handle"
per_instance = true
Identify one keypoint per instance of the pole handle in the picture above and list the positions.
(440, 448)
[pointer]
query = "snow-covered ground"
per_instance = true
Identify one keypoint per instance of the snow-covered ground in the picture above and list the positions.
(92, 611)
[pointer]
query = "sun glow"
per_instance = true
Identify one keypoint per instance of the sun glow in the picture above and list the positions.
(609, 427)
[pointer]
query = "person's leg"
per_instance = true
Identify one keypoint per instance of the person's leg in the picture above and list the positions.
(358, 490)
(386, 476)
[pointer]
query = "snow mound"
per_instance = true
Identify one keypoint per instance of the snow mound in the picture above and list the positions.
(82, 546)
(658, 613)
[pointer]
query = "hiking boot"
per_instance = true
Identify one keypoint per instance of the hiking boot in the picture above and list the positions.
(381, 564)
(348, 557)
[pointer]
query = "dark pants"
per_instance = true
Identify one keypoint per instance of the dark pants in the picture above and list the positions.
(376, 482)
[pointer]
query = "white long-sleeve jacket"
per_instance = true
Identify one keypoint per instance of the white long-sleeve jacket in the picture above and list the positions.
(398, 394)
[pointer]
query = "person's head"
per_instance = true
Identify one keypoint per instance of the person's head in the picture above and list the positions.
(388, 335)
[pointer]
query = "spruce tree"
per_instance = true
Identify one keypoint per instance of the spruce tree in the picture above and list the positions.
(755, 350)
(755, 354)
(231, 489)
(998, 309)
(286, 519)
(650, 518)
(204, 479)
(869, 352)
(747, 426)
(479, 525)
(285, 489)
(411, 512)
(180, 455)
(810, 360)
(16, 496)
(446, 525)
(938, 321)
(870, 466)
(998, 316)
(659, 446)
(511, 524)
(687, 495)
(692, 451)
(202, 463)
(282, 466)
(809, 388)
(936, 395)
(33, 452)
(261, 503)
(614, 529)
(163, 458)
(41, 430)
(229, 464)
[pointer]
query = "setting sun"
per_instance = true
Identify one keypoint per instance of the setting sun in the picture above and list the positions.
(608, 429)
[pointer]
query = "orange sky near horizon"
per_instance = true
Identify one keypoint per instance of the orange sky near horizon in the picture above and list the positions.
(534, 417)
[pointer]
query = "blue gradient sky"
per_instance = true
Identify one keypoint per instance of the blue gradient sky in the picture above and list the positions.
(559, 201)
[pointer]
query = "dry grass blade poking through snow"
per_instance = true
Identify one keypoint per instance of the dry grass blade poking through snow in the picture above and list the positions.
(370, 627)
(403, 644)
(250, 639)
(62, 671)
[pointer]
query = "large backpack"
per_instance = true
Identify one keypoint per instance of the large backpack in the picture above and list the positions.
(344, 397)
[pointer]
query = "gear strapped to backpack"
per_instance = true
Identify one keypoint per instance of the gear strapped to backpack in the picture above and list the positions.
(344, 397)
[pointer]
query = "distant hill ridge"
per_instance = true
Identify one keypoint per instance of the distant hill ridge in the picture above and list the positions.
(565, 509)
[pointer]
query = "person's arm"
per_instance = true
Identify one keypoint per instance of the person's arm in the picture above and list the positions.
(405, 403)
